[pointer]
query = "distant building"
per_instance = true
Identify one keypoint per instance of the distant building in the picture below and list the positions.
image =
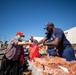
(38, 38)
(71, 36)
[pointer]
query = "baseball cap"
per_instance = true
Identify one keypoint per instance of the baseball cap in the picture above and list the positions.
(20, 33)
(48, 24)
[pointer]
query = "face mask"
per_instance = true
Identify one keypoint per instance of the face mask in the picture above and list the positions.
(31, 40)
(19, 38)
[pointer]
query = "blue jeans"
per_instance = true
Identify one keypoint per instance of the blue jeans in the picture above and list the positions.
(50, 52)
(68, 53)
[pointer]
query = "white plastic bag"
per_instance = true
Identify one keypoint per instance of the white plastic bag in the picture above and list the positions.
(36, 71)
(30, 67)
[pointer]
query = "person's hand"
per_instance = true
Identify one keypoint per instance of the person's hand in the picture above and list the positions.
(41, 45)
(44, 43)
(55, 53)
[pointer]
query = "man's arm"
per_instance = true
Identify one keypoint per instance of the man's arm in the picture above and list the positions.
(24, 43)
(53, 43)
(43, 40)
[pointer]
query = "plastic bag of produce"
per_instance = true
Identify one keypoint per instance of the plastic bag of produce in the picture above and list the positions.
(34, 51)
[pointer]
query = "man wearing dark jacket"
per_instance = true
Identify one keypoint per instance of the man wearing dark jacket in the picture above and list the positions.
(63, 46)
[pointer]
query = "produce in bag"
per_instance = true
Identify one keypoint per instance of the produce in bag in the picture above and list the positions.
(34, 51)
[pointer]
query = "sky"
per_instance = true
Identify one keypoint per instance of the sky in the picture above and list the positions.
(30, 16)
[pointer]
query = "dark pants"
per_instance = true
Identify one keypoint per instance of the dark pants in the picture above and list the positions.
(9, 67)
(67, 53)
(50, 51)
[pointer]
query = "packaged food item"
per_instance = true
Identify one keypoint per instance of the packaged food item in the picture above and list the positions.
(54, 66)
